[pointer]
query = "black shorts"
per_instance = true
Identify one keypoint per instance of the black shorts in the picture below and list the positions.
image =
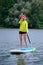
(22, 32)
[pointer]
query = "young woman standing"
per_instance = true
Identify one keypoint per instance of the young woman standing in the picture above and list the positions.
(23, 30)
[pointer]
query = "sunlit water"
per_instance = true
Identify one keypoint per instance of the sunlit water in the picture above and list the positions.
(9, 39)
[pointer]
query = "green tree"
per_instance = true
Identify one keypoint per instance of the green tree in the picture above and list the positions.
(10, 11)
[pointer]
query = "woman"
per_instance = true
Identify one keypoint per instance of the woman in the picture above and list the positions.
(23, 30)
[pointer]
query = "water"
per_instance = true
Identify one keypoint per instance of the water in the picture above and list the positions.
(9, 39)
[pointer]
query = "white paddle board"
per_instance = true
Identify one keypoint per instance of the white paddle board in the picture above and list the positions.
(21, 51)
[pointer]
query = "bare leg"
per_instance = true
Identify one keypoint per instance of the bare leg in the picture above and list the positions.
(20, 35)
(25, 40)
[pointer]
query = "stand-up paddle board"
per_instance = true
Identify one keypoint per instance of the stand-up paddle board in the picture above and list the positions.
(21, 51)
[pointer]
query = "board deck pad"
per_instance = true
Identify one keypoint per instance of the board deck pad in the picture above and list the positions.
(21, 51)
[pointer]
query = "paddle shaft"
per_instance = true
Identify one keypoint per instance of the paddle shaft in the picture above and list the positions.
(28, 38)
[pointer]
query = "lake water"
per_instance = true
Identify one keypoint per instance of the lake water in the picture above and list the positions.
(9, 39)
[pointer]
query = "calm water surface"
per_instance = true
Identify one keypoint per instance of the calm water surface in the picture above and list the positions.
(9, 39)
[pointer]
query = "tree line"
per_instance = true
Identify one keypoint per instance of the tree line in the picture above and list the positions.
(10, 11)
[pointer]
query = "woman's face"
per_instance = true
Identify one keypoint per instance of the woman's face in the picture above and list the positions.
(22, 19)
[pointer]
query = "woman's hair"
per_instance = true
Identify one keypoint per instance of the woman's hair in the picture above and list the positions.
(23, 16)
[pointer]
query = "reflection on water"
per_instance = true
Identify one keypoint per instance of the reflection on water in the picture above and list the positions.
(21, 61)
(29, 59)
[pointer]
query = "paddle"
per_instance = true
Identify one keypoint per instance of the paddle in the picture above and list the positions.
(28, 38)
(33, 52)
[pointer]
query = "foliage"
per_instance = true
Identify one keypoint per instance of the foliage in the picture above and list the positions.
(10, 11)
